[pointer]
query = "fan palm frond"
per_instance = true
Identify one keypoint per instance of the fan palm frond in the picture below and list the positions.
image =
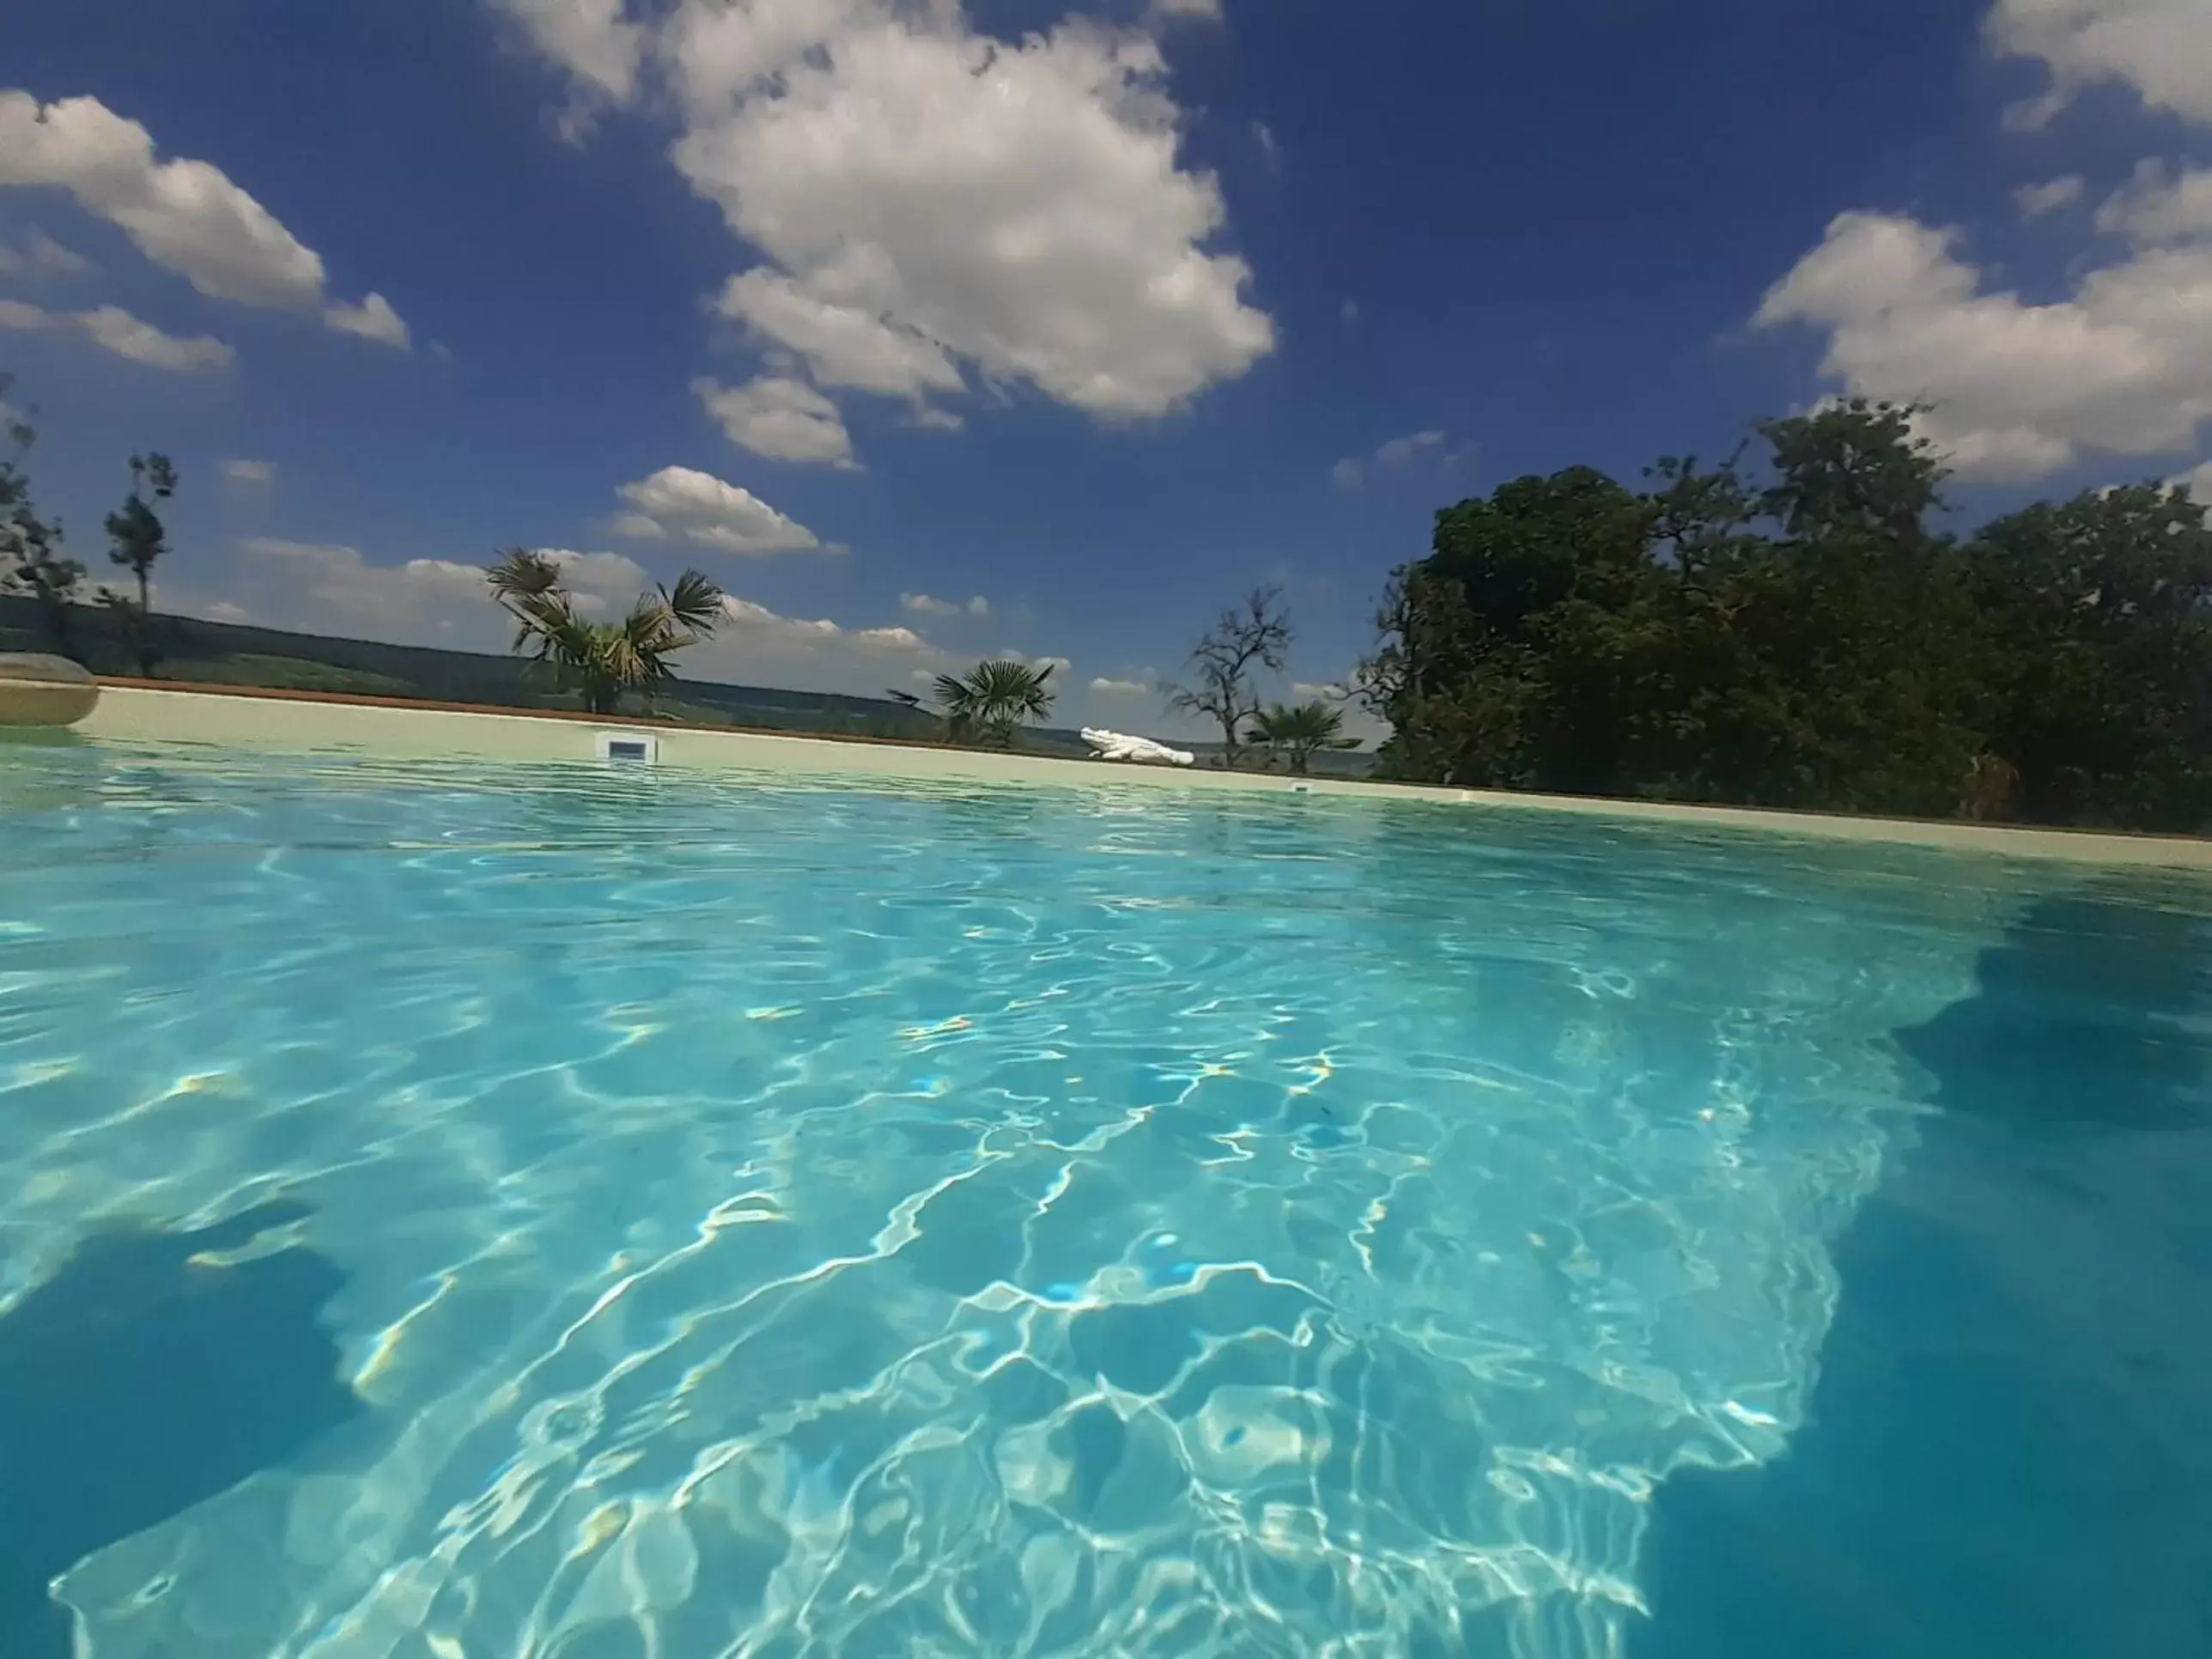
(695, 603)
(1299, 732)
(994, 699)
(601, 661)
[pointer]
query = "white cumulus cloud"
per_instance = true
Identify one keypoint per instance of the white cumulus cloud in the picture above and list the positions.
(331, 589)
(116, 331)
(2019, 390)
(184, 216)
(783, 419)
(250, 472)
(42, 255)
(2198, 481)
(591, 39)
(1353, 470)
(334, 589)
(2161, 208)
(843, 345)
(678, 504)
(1020, 207)
(929, 201)
(1106, 687)
(2162, 49)
(373, 319)
(2036, 200)
(923, 604)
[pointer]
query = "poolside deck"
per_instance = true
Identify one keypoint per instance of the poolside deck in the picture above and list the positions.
(322, 722)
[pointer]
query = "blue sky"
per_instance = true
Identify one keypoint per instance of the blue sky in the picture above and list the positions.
(934, 333)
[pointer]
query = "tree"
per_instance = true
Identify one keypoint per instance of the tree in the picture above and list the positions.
(1299, 733)
(1798, 639)
(2097, 657)
(991, 702)
(601, 661)
(31, 561)
(139, 539)
(1256, 635)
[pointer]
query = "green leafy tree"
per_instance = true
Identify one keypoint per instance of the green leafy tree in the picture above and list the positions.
(1254, 635)
(602, 662)
(1299, 732)
(138, 539)
(2097, 657)
(1789, 633)
(991, 703)
(31, 560)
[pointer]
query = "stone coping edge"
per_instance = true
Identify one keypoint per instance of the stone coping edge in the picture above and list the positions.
(259, 717)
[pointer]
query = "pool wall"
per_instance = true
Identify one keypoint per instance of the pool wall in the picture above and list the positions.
(245, 718)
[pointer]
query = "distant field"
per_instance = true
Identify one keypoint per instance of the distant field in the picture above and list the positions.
(225, 653)
(285, 673)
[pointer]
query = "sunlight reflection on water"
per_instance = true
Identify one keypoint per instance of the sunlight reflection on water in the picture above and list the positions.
(827, 1221)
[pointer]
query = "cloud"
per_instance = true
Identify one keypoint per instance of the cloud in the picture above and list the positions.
(1399, 451)
(333, 589)
(116, 331)
(1186, 10)
(2161, 49)
(2162, 209)
(373, 319)
(1018, 207)
(758, 619)
(184, 216)
(1111, 688)
(590, 39)
(843, 345)
(2197, 482)
(592, 42)
(2036, 200)
(43, 255)
(2019, 390)
(50, 255)
(785, 420)
(921, 605)
(678, 504)
(250, 472)
(1329, 692)
(925, 196)
(1353, 470)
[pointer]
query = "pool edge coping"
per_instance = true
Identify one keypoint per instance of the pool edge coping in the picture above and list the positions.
(261, 717)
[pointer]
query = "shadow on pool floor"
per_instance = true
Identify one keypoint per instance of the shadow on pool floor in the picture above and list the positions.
(138, 1381)
(2010, 1449)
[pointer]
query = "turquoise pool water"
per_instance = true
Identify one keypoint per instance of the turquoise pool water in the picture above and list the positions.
(776, 1218)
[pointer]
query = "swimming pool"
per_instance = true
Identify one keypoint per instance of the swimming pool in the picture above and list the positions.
(778, 1217)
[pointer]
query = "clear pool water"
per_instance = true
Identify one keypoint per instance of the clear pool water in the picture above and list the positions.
(772, 1218)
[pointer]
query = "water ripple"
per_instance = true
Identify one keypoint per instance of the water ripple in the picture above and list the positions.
(817, 1220)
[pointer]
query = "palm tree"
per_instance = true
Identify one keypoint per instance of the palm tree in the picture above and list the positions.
(1297, 734)
(991, 702)
(600, 661)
